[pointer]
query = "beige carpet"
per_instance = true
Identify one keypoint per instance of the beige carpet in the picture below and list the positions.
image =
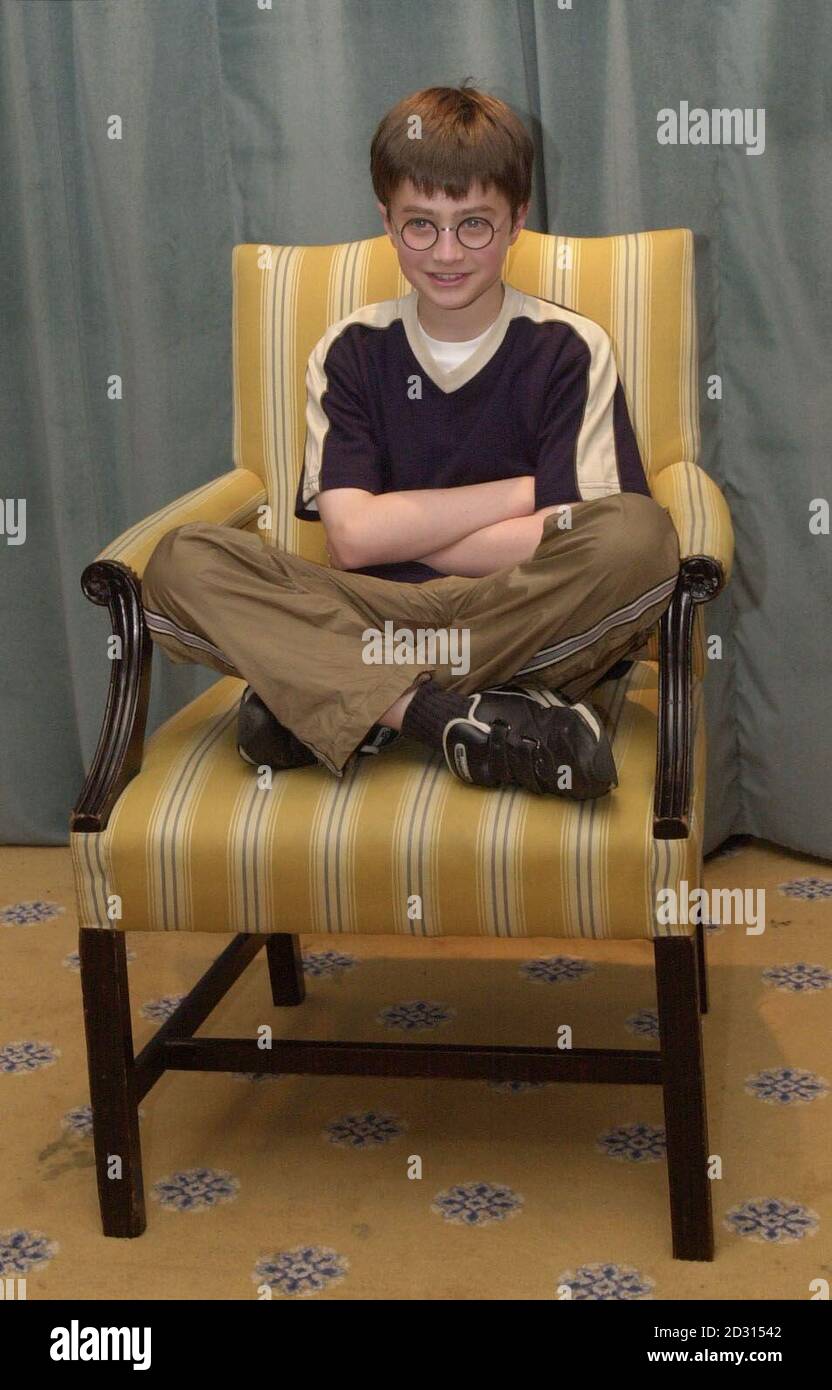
(299, 1186)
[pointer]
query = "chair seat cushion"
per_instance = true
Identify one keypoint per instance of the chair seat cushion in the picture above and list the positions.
(396, 846)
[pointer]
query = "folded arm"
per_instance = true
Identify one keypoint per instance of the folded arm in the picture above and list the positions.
(364, 529)
(492, 548)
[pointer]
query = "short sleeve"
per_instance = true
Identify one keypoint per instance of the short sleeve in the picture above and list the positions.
(342, 448)
(587, 447)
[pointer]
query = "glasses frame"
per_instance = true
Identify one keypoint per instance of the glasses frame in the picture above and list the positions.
(400, 232)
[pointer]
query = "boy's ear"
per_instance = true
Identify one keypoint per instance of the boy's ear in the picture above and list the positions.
(386, 220)
(519, 223)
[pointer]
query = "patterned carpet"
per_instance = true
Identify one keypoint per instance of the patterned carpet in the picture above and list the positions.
(369, 1188)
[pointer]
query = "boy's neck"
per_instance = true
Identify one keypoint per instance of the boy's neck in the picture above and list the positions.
(460, 325)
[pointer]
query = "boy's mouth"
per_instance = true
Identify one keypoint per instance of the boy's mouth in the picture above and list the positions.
(442, 280)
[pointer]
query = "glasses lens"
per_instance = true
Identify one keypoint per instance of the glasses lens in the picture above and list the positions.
(475, 232)
(419, 234)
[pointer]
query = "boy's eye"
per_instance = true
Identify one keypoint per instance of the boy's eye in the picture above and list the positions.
(475, 224)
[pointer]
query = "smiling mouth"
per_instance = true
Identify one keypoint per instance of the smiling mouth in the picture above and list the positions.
(448, 279)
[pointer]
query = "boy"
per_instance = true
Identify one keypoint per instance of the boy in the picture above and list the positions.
(471, 458)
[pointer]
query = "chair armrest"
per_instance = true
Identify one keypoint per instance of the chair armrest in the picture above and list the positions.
(113, 580)
(700, 514)
(230, 500)
(118, 756)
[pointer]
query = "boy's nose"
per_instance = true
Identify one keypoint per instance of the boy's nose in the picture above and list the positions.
(447, 248)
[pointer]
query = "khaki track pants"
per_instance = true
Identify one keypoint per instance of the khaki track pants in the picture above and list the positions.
(328, 651)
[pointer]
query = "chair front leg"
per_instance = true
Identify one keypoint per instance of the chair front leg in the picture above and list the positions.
(683, 1084)
(115, 1117)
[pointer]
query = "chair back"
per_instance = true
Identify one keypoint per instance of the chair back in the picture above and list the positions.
(639, 287)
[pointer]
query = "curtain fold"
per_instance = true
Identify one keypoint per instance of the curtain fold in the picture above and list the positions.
(140, 140)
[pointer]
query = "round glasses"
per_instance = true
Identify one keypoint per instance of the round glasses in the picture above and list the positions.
(419, 233)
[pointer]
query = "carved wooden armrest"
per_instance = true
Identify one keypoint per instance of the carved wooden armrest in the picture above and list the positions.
(700, 579)
(118, 756)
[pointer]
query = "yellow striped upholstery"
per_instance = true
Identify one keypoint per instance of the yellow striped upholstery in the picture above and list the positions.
(194, 844)
(639, 287)
(699, 512)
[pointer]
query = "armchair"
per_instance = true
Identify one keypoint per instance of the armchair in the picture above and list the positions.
(163, 830)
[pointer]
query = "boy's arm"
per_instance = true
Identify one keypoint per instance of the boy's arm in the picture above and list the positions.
(366, 529)
(497, 547)
(587, 448)
(344, 482)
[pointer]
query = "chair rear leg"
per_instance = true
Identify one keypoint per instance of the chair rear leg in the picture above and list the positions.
(683, 1082)
(702, 967)
(285, 968)
(112, 1078)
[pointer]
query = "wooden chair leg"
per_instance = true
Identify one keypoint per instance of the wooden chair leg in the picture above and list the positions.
(683, 1082)
(702, 967)
(115, 1117)
(285, 968)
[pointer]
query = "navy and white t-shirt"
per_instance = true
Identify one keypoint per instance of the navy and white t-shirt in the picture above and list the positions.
(539, 394)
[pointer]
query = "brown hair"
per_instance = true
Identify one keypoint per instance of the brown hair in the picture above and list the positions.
(466, 136)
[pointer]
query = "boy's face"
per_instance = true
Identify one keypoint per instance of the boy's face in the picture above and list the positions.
(449, 275)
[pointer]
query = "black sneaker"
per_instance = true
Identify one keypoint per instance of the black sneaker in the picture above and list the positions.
(526, 736)
(263, 741)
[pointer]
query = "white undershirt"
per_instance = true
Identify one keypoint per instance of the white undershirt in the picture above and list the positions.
(451, 355)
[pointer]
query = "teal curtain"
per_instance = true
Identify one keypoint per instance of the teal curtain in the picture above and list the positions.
(243, 121)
